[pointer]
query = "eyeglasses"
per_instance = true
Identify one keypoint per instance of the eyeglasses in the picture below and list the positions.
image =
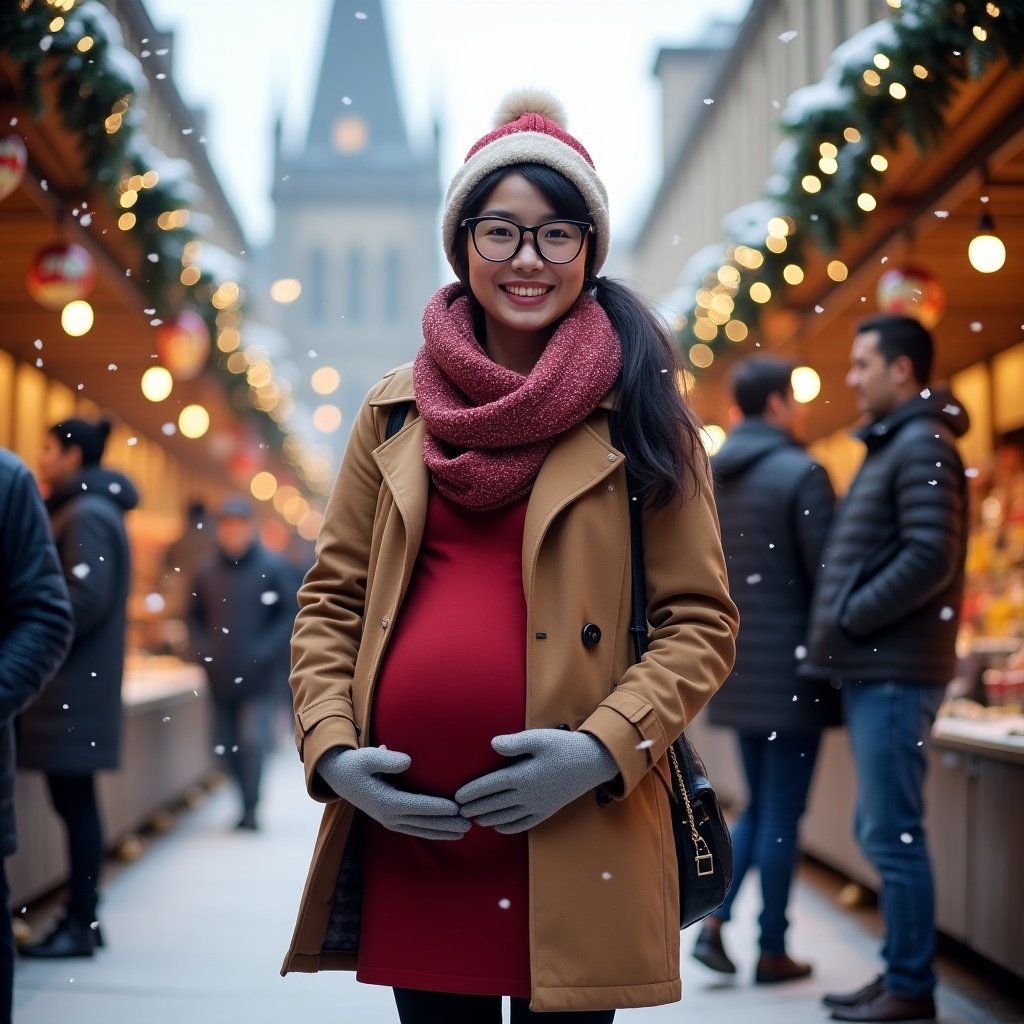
(556, 241)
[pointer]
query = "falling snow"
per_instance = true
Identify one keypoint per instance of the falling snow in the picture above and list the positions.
(80, 571)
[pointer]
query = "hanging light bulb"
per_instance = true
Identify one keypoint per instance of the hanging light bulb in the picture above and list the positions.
(986, 250)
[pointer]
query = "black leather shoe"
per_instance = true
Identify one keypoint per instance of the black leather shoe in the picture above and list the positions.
(888, 1007)
(861, 995)
(69, 938)
(710, 951)
(773, 968)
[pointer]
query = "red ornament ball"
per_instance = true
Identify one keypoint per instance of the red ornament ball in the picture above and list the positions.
(13, 161)
(183, 345)
(914, 292)
(59, 274)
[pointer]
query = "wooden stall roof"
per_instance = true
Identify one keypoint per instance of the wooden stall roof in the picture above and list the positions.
(928, 211)
(106, 364)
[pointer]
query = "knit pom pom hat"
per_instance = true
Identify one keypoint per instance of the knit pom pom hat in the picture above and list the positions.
(529, 129)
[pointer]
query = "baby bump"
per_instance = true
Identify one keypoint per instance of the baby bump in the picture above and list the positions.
(448, 686)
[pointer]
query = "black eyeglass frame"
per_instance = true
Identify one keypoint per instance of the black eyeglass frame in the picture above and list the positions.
(470, 224)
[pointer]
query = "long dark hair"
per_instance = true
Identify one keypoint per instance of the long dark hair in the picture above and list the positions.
(659, 432)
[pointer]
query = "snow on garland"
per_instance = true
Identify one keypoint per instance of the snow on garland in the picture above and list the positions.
(895, 77)
(99, 94)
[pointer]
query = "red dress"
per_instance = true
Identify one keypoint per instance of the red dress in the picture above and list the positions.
(452, 916)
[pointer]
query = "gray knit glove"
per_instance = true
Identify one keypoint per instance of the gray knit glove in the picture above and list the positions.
(355, 775)
(556, 766)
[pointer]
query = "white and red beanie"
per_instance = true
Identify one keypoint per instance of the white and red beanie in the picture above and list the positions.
(529, 129)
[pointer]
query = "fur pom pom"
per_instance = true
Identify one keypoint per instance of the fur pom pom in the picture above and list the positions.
(529, 101)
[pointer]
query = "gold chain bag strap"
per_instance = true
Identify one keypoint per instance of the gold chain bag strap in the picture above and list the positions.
(702, 840)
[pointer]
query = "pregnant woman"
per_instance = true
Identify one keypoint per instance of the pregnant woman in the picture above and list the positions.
(492, 763)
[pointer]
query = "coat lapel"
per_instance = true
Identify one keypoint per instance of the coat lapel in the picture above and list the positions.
(580, 460)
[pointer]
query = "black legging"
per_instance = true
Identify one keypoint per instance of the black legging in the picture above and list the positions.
(74, 799)
(415, 1007)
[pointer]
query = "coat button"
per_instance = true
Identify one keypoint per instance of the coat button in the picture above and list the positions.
(603, 798)
(591, 635)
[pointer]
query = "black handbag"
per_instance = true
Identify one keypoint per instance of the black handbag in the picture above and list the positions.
(703, 843)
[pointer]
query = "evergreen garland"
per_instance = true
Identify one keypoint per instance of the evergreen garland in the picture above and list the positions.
(96, 97)
(896, 77)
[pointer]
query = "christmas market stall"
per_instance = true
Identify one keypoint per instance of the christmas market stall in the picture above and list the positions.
(899, 187)
(122, 292)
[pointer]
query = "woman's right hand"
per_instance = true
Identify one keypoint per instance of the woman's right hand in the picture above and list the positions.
(355, 775)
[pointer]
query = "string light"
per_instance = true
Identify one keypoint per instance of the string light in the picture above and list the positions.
(879, 162)
(736, 330)
(157, 383)
(986, 250)
(806, 384)
(713, 437)
(811, 183)
(837, 270)
(193, 421)
(792, 274)
(77, 318)
(701, 356)
(866, 201)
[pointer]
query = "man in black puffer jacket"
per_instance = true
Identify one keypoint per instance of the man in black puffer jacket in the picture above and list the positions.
(35, 634)
(775, 506)
(884, 626)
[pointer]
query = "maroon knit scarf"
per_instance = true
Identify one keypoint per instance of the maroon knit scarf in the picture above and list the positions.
(490, 428)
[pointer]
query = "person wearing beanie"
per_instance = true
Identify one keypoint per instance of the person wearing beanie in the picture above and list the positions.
(74, 729)
(493, 764)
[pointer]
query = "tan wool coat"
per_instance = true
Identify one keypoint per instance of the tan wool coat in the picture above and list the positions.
(604, 925)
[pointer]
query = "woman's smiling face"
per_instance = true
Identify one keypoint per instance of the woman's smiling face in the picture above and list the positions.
(524, 297)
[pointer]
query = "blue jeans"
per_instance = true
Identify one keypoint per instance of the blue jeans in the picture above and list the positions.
(890, 729)
(778, 775)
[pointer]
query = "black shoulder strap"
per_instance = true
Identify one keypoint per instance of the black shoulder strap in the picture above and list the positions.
(396, 418)
(638, 617)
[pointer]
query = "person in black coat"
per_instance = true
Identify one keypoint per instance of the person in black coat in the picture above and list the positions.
(240, 622)
(883, 626)
(74, 729)
(35, 634)
(775, 505)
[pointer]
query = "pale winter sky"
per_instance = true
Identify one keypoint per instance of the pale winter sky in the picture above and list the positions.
(244, 59)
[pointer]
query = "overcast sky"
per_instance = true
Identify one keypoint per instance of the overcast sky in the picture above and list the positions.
(242, 61)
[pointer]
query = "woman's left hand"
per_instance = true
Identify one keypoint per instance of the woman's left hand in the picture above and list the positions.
(555, 767)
